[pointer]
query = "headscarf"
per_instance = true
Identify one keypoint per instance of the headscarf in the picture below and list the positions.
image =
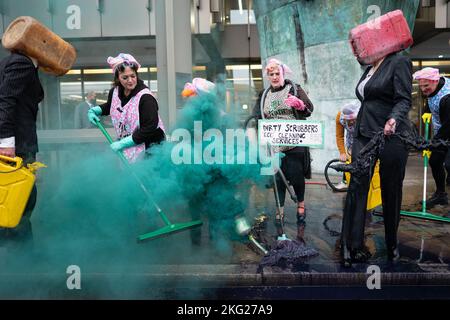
(284, 69)
(122, 58)
(198, 86)
(350, 111)
(427, 73)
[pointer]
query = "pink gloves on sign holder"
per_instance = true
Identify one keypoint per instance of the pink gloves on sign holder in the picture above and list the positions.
(294, 102)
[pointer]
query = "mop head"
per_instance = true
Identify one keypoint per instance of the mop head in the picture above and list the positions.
(283, 238)
(287, 254)
(169, 229)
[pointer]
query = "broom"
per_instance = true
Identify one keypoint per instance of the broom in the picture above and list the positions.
(169, 227)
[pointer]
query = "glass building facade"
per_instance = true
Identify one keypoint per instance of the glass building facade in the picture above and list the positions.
(98, 29)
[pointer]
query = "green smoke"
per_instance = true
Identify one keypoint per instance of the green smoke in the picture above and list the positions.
(90, 210)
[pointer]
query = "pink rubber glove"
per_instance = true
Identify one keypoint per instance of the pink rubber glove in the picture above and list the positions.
(294, 102)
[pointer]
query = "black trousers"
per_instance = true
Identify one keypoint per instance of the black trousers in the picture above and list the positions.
(447, 166)
(392, 172)
(293, 167)
(437, 159)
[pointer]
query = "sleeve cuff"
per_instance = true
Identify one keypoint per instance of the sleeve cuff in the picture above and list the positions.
(8, 142)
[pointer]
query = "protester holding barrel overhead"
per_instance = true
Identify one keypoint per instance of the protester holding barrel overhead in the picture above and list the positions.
(385, 93)
(31, 46)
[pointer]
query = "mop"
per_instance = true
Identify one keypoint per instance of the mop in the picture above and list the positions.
(287, 252)
(282, 236)
(426, 154)
(169, 227)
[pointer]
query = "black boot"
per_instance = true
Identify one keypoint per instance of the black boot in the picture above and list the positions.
(346, 257)
(393, 255)
(360, 255)
(437, 198)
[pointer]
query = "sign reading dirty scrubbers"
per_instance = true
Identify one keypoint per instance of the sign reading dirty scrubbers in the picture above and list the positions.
(291, 133)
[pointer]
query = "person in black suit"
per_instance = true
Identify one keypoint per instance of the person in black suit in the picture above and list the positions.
(20, 94)
(385, 91)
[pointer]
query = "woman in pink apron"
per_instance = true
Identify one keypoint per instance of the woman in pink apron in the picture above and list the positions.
(133, 110)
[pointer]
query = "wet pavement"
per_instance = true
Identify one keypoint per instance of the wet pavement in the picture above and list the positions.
(114, 265)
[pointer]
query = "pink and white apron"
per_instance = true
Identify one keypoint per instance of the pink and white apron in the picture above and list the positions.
(126, 120)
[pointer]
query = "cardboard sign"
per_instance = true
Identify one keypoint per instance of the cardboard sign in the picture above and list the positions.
(291, 133)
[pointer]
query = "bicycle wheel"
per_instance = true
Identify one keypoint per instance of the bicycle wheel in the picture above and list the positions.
(333, 179)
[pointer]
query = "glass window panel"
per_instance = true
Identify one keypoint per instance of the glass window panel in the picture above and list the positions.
(71, 96)
(1, 24)
(238, 12)
(243, 84)
(101, 88)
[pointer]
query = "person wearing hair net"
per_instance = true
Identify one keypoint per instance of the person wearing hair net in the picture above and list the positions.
(203, 103)
(288, 101)
(133, 109)
(345, 125)
(198, 86)
(437, 91)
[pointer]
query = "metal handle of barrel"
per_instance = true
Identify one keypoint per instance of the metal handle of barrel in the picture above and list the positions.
(110, 140)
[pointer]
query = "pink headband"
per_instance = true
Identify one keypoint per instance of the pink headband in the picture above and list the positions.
(427, 73)
(284, 69)
(122, 58)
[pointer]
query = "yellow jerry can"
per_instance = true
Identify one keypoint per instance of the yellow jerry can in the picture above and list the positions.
(16, 183)
(374, 196)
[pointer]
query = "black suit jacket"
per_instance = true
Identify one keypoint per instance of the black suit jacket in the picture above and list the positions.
(386, 95)
(20, 94)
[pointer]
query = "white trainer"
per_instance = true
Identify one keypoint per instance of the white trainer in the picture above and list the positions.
(341, 185)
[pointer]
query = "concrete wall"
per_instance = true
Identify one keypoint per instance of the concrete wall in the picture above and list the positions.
(312, 38)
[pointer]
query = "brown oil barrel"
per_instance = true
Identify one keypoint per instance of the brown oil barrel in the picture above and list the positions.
(27, 35)
(377, 38)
